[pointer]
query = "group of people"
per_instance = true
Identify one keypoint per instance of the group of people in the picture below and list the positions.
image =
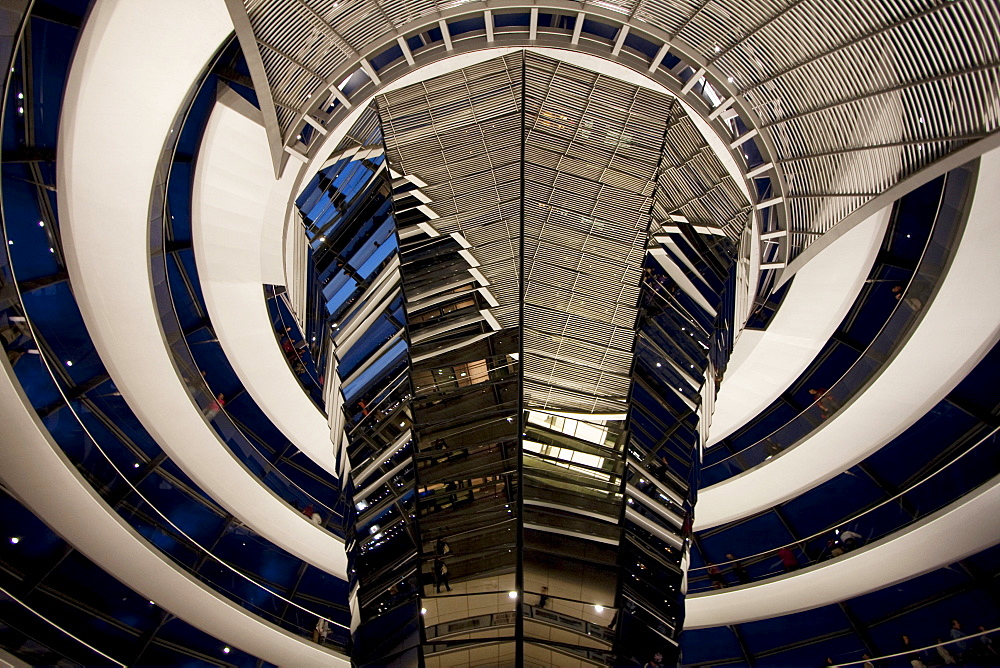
(844, 541)
(311, 513)
(441, 550)
(718, 577)
(974, 651)
(824, 401)
(955, 651)
(293, 352)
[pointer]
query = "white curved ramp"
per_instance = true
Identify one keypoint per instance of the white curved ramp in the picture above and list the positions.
(134, 63)
(236, 204)
(37, 471)
(764, 364)
(968, 526)
(959, 327)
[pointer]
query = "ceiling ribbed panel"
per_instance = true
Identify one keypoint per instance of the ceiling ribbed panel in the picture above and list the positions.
(849, 98)
(695, 185)
(877, 91)
(592, 149)
(445, 133)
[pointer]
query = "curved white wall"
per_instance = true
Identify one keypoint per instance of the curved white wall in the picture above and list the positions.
(968, 526)
(134, 62)
(37, 471)
(235, 200)
(958, 329)
(764, 364)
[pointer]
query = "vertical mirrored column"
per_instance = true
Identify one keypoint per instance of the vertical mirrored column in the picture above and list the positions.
(454, 145)
(347, 214)
(523, 385)
(686, 280)
(592, 151)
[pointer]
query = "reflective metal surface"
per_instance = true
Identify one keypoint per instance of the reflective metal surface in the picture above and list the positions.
(540, 224)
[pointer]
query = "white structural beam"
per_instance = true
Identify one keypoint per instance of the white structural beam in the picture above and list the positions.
(44, 480)
(968, 526)
(958, 328)
(765, 363)
(145, 57)
(235, 202)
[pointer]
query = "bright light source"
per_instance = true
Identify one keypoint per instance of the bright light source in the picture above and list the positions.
(14, 540)
(423, 611)
(512, 594)
(69, 362)
(136, 465)
(41, 223)
(226, 650)
(599, 608)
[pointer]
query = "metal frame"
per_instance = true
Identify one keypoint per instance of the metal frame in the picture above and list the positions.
(804, 102)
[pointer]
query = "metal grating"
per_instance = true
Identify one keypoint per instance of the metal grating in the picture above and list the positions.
(592, 150)
(877, 92)
(695, 185)
(594, 169)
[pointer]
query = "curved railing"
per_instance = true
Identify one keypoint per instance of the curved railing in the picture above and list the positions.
(136, 492)
(310, 377)
(979, 653)
(134, 478)
(918, 293)
(59, 657)
(329, 506)
(972, 467)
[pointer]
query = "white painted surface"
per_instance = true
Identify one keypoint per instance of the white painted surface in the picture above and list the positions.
(134, 62)
(237, 209)
(764, 364)
(958, 329)
(41, 477)
(968, 526)
(105, 170)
